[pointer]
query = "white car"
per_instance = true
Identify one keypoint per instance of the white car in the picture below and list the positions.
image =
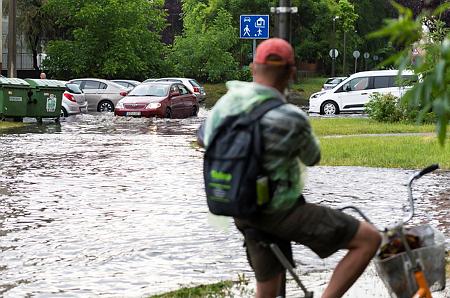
(352, 94)
(191, 84)
(73, 101)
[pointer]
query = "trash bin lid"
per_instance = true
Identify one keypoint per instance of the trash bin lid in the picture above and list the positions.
(4, 82)
(39, 83)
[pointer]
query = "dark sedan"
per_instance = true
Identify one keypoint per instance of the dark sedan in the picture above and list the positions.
(158, 99)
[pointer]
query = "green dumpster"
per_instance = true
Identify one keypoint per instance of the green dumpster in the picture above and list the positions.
(13, 98)
(45, 100)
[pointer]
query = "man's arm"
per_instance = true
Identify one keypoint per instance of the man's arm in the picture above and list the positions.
(289, 133)
(309, 145)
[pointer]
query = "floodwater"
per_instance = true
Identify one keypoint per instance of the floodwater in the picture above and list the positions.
(114, 207)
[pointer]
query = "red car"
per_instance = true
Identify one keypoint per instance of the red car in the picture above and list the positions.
(158, 99)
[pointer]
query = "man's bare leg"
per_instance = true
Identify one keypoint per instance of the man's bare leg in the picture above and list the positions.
(269, 289)
(361, 248)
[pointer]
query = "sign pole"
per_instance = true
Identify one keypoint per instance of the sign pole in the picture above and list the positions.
(254, 27)
(12, 51)
(333, 61)
(356, 55)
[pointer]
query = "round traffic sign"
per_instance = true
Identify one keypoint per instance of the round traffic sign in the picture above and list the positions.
(375, 58)
(356, 54)
(366, 55)
(336, 53)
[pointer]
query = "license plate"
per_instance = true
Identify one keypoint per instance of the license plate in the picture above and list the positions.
(133, 113)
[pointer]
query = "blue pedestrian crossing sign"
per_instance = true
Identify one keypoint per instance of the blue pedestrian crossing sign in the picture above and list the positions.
(254, 26)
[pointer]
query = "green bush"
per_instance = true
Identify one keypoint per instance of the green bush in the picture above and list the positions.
(384, 108)
(389, 108)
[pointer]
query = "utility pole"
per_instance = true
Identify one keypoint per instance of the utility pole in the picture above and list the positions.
(284, 28)
(344, 66)
(284, 19)
(12, 49)
(333, 58)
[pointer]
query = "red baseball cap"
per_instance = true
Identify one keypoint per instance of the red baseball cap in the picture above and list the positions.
(277, 48)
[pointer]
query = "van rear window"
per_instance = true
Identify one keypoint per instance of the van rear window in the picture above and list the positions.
(381, 82)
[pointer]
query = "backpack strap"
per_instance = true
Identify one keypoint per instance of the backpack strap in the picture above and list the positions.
(260, 110)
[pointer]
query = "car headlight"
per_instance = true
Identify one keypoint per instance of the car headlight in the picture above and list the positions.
(119, 105)
(153, 105)
(316, 95)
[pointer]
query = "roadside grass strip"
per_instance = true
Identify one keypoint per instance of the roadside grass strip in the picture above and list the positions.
(407, 152)
(9, 125)
(301, 90)
(357, 126)
(220, 289)
(308, 86)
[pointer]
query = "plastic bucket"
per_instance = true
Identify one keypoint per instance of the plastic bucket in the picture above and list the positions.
(396, 271)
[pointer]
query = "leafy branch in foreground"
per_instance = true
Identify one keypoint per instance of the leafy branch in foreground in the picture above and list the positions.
(426, 44)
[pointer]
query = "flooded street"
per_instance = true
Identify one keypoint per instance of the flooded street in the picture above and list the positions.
(114, 207)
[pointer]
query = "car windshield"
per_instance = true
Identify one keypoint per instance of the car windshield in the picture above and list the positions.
(335, 81)
(194, 83)
(150, 90)
(73, 88)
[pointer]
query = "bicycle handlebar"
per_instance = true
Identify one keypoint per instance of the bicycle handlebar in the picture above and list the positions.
(427, 170)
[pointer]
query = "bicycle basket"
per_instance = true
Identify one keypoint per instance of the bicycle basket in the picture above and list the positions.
(395, 271)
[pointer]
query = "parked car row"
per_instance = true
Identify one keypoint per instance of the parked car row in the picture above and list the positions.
(163, 97)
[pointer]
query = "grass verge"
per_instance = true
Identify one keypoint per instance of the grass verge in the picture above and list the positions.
(219, 289)
(412, 152)
(300, 92)
(8, 125)
(355, 126)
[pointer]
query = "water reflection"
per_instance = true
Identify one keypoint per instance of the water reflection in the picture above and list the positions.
(110, 206)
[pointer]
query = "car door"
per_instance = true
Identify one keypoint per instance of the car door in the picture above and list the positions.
(187, 99)
(355, 94)
(176, 101)
(90, 89)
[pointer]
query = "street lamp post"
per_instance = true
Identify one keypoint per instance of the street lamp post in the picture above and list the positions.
(12, 50)
(344, 70)
(333, 58)
(284, 12)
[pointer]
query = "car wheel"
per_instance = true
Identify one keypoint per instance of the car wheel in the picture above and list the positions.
(194, 111)
(64, 113)
(105, 106)
(329, 108)
(168, 113)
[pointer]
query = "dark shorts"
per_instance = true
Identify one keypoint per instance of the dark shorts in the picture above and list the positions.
(322, 229)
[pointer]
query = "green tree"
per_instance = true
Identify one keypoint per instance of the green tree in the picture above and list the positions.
(432, 65)
(204, 49)
(108, 38)
(33, 24)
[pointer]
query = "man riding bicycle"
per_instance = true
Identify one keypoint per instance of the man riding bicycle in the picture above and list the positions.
(289, 145)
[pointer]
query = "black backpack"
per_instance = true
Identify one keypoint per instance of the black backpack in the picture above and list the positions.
(234, 182)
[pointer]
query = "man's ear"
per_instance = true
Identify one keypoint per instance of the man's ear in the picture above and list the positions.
(252, 68)
(293, 73)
